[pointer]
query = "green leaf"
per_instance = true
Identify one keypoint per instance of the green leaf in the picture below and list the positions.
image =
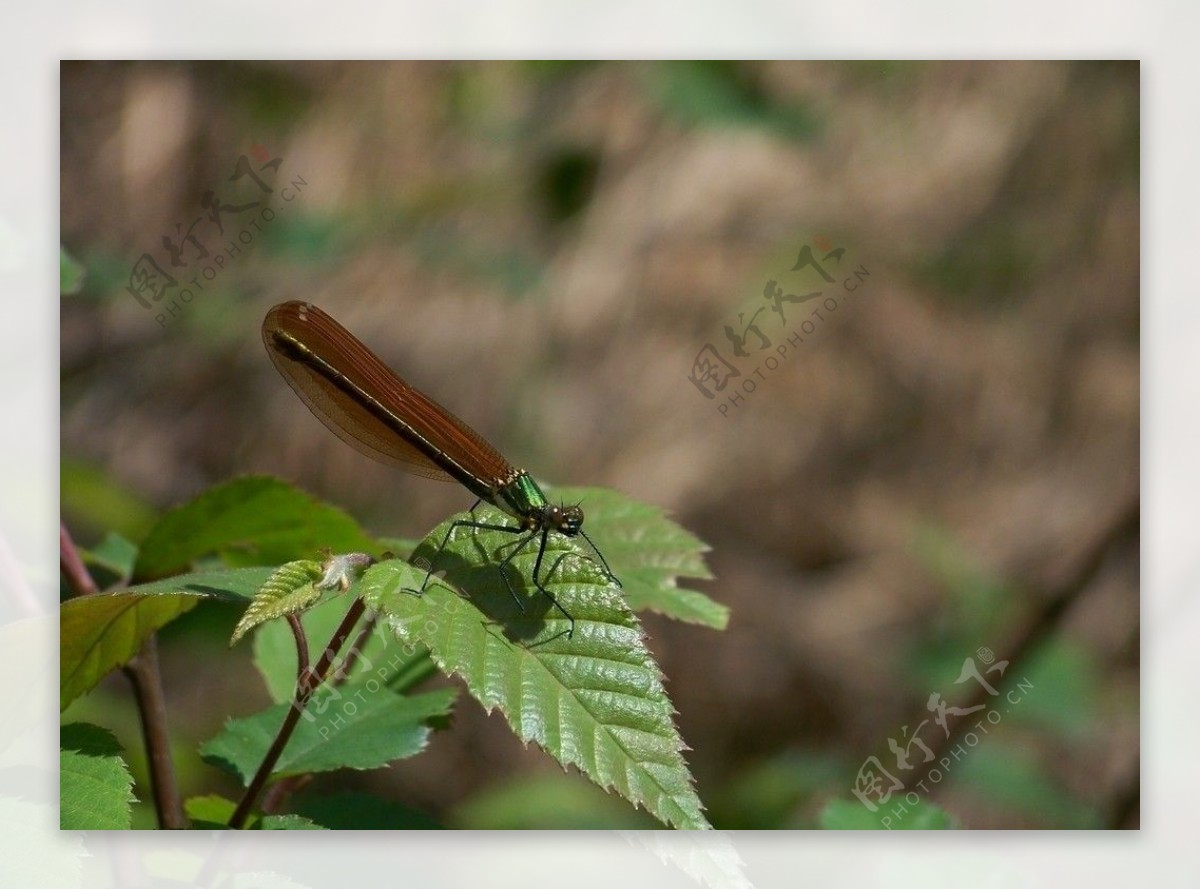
(212, 811)
(70, 273)
(648, 552)
(95, 787)
(275, 648)
(255, 520)
(355, 726)
(595, 701)
(349, 810)
(647, 591)
(100, 632)
(290, 589)
(845, 815)
(229, 585)
(115, 554)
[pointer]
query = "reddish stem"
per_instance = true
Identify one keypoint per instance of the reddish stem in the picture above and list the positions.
(307, 682)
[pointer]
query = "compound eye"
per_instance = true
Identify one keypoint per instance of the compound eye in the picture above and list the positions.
(570, 520)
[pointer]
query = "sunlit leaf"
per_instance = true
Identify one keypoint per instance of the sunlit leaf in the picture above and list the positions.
(593, 700)
(95, 787)
(289, 589)
(648, 553)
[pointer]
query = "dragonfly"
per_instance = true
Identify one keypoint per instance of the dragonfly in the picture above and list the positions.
(371, 408)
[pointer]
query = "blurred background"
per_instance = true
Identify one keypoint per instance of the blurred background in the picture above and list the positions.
(944, 468)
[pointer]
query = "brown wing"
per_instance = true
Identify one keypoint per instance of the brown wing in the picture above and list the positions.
(364, 402)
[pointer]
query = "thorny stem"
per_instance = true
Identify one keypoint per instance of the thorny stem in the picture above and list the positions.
(143, 673)
(307, 682)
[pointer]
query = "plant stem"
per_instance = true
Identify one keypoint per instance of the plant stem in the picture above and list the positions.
(347, 666)
(143, 673)
(281, 790)
(79, 579)
(298, 634)
(278, 793)
(144, 676)
(307, 682)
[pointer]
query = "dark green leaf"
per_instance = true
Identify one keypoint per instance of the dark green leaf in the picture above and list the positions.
(89, 739)
(95, 787)
(255, 520)
(356, 726)
(229, 585)
(348, 810)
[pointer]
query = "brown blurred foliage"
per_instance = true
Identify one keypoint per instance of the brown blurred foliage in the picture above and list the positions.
(546, 248)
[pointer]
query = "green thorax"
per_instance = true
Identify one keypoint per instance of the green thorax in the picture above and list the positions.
(521, 497)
